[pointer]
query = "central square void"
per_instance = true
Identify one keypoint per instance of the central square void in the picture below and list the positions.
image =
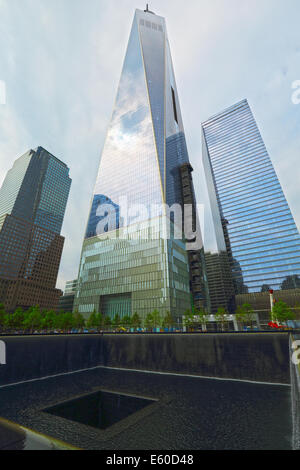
(99, 410)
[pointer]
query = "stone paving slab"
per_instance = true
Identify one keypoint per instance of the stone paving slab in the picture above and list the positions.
(189, 413)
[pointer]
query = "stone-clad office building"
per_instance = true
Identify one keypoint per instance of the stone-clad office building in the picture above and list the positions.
(33, 199)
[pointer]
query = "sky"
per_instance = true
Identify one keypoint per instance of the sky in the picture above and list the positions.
(61, 62)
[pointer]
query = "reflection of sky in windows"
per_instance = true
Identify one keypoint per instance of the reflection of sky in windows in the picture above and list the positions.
(53, 193)
(261, 228)
(153, 46)
(129, 164)
(136, 153)
(95, 218)
(137, 144)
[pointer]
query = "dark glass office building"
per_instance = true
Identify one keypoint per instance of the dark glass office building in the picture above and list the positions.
(252, 219)
(130, 267)
(66, 302)
(33, 199)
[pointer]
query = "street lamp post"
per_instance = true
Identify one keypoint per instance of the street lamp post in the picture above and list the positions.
(272, 302)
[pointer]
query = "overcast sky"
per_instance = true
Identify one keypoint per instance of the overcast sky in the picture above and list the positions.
(61, 61)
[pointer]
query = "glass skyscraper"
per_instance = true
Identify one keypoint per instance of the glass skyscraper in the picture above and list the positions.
(66, 302)
(141, 167)
(252, 219)
(33, 199)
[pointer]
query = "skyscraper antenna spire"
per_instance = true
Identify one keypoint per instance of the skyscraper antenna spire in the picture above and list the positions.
(147, 9)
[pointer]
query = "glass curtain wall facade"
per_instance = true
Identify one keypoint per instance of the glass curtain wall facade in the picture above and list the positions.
(145, 145)
(66, 302)
(253, 221)
(33, 199)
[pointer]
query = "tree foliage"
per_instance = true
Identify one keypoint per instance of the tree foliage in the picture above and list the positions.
(126, 321)
(2, 317)
(149, 321)
(136, 321)
(188, 320)
(116, 322)
(245, 315)
(168, 321)
(282, 312)
(157, 321)
(221, 317)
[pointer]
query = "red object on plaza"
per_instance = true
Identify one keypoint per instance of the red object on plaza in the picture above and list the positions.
(275, 325)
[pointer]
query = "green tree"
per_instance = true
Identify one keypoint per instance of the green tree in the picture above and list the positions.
(96, 320)
(2, 317)
(100, 320)
(78, 320)
(282, 312)
(107, 322)
(188, 320)
(126, 321)
(136, 321)
(240, 315)
(8, 321)
(49, 320)
(17, 318)
(116, 321)
(57, 320)
(33, 319)
(203, 318)
(168, 321)
(297, 310)
(221, 317)
(65, 321)
(249, 314)
(149, 321)
(245, 315)
(156, 319)
(92, 320)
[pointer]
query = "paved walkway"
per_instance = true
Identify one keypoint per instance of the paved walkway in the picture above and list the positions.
(188, 413)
